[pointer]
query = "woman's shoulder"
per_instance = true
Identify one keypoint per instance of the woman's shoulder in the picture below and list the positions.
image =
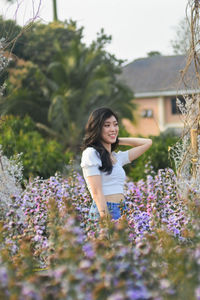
(89, 151)
(122, 157)
(90, 157)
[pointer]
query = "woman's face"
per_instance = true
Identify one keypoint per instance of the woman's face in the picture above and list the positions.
(109, 131)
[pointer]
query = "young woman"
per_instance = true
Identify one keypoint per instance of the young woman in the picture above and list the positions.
(103, 167)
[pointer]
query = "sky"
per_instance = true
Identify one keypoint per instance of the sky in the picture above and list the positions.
(136, 26)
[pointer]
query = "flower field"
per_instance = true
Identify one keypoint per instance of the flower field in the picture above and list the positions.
(51, 250)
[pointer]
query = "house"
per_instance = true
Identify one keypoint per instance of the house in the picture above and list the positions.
(156, 82)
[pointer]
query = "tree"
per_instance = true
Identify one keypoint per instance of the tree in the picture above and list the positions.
(9, 30)
(81, 80)
(39, 42)
(8, 33)
(55, 14)
(75, 80)
(181, 42)
(153, 53)
(26, 92)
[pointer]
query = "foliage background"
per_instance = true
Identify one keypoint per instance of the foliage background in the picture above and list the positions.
(40, 157)
(156, 158)
(56, 81)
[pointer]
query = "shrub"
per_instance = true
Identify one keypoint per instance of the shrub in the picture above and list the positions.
(157, 157)
(40, 157)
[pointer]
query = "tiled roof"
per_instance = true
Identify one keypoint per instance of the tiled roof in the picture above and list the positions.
(156, 74)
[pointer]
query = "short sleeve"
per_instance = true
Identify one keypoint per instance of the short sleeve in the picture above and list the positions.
(123, 158)
(90, 162)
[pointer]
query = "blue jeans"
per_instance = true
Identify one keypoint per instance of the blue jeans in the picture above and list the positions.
(115, 210)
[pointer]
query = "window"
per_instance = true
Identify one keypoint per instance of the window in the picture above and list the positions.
(174, 108)
(147, 113)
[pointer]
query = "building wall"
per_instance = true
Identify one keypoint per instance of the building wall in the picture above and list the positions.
(170, 118)
(144, 126)
(161, 120)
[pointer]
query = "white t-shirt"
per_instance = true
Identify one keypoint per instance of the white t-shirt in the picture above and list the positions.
(111, 184)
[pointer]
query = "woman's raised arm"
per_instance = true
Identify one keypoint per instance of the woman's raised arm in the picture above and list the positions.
(140, 145)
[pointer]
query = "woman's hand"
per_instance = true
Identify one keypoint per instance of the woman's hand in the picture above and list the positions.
(140, 145)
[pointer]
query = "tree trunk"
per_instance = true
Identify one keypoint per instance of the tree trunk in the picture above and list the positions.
(55, 14)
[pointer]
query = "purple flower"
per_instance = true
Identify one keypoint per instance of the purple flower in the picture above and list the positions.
(197, 293)
(137, 294)
(88, 250)
(37, 238)
(84, 264)
(3, 277)
(29, 291)
(116, 296)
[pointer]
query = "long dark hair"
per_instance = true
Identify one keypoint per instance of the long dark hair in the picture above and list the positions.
(93, 136)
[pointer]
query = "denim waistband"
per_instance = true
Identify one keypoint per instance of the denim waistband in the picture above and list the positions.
(112, 203)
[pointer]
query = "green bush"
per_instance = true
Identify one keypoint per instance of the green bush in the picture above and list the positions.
(157, 157)
(40, 157)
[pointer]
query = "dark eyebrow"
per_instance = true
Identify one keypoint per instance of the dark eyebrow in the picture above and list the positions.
(108, 122)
